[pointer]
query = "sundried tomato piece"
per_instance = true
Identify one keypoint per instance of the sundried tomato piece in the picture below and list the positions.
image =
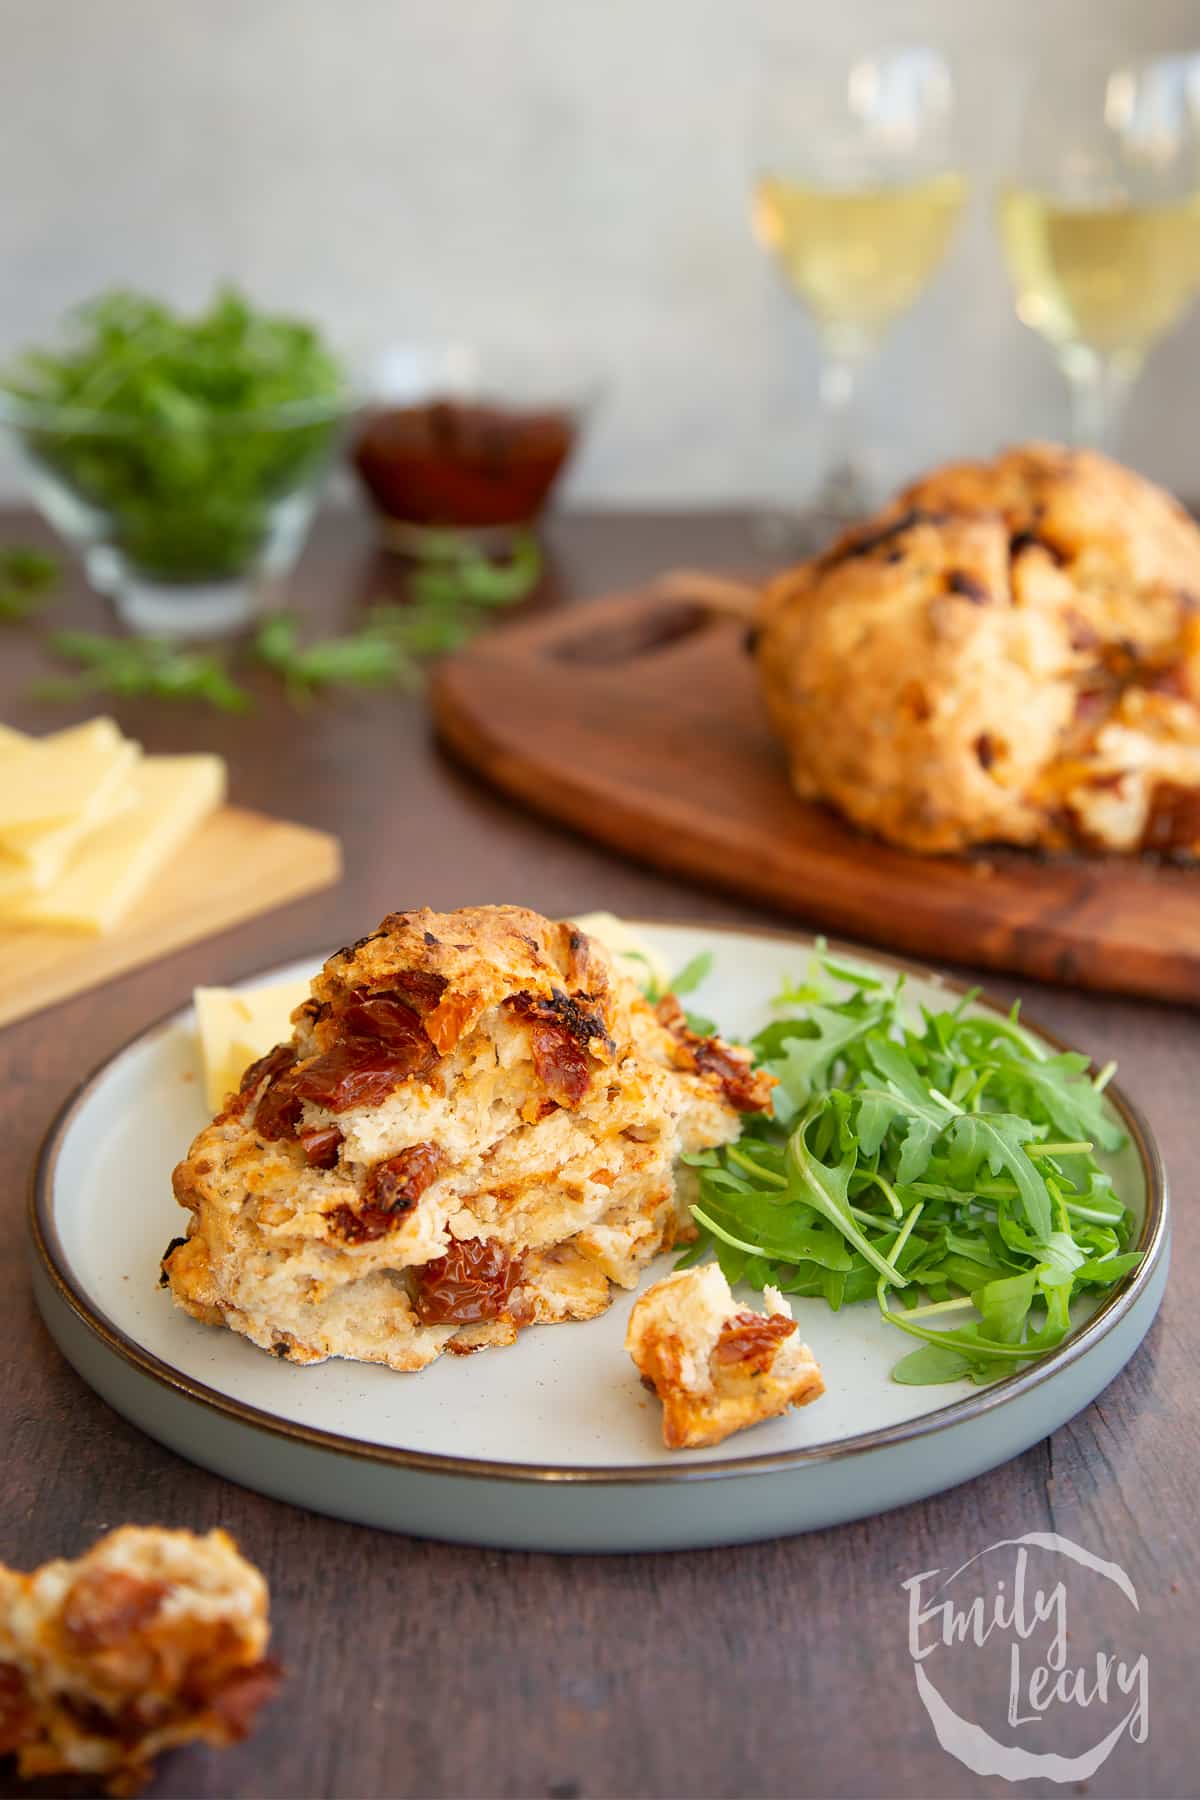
(356, 1071)
(420, 989)
(278, 1112)
(273, 1063)
(18, 1723)
(1173, 823)
(121, 1725)
(1122, 658)
(240, 1694)
(1171, 679)
(274, 1120)
(392, 1190)
(562, 1065)
(745, 1088)
(104, 1606)
(384, 1016)
(321, 1144)
(749, 1341)
(360, 1225)
(1083, 634)
(1092, 704)
(397, 1184)
(471, 1282)
(562, 1030)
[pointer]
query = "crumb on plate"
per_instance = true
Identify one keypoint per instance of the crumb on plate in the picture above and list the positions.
(717, 1367)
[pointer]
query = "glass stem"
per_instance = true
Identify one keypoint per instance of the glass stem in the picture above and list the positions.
(1099, 387)
(844, 491)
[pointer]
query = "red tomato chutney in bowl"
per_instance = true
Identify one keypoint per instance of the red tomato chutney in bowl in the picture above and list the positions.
(467, 463)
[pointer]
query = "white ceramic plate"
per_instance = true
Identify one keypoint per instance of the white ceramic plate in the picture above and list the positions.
(551, 1444)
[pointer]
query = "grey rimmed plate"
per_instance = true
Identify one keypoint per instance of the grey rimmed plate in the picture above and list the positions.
(552, 1444)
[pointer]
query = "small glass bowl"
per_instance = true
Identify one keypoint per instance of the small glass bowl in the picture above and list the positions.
(189, 529)
(466, 440)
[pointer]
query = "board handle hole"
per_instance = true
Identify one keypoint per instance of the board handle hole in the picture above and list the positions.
(643, 634)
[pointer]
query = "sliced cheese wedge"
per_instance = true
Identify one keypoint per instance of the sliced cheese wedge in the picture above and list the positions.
(115, 865)
(236, 1026)
(49, 782)
(44, 853)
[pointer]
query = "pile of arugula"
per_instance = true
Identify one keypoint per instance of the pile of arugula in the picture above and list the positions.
(952, 1166)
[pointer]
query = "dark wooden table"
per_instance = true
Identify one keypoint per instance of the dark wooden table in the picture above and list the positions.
(423, 1669)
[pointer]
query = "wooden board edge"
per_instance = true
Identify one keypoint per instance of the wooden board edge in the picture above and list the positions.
(1052, 958)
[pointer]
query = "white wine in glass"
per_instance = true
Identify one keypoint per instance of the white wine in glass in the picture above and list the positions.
(856, 194)
(857, 258)
(1101, 227)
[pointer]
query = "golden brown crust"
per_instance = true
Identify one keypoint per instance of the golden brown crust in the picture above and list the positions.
(470, 960)
(152, 1639)
(1009, 652)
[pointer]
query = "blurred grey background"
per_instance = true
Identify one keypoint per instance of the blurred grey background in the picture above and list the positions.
(518, 171)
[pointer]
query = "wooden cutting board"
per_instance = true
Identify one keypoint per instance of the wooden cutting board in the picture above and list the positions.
(636, 719)
(238, 864)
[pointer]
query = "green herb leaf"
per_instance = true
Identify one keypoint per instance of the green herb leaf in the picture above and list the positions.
(1070, 1101)
(454, 573)
(778, 1232)
(366, 658)
(999, 1140)
(26, 578)
(807, 1061)
(826, 1189)
(693, 974)
(137, 668)
(449, 591)
(931, 1365)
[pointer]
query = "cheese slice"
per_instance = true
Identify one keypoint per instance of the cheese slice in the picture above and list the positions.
(235, 1026)
(44, 853)
(630, 951)
(49, 782)
(115, 864)
(95, 733)
(36, 855)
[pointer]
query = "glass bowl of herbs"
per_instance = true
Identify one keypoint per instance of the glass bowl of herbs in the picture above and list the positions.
(181, 455)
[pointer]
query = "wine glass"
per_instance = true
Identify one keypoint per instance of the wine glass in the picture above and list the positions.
(1100, 222)
(856, 195)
